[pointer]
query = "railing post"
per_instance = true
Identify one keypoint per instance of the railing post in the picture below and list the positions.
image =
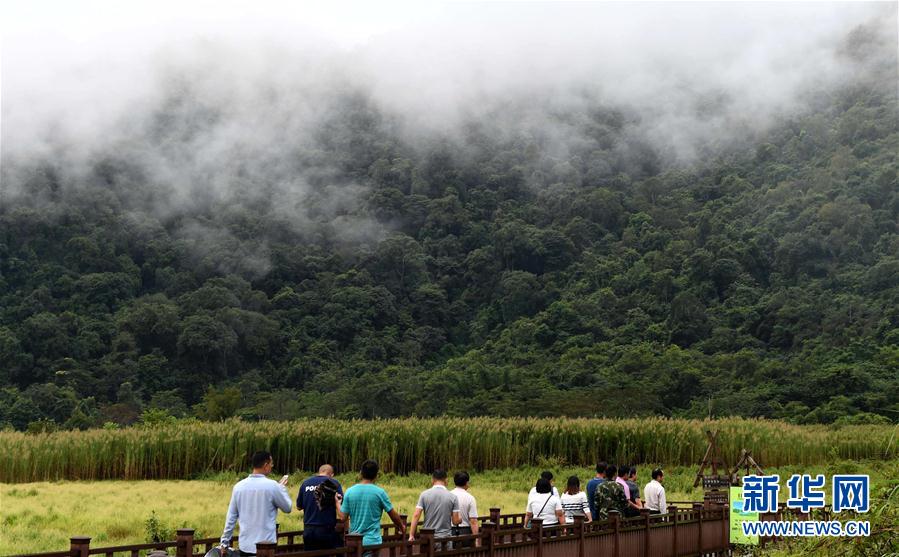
(185, 547)
(353, 542)
(725, 525)
(579, 532)
(265, 549)
(489, 537)
(427, 536)
(672, 510)
(537, 533)
(494, 515)
(616, 526)
(407, 547)
(645, 514)
(79, 546)
(698, 508)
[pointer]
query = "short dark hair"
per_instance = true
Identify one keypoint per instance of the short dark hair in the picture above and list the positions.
(611, 470)
(439, 474)
(601, 467)
(632, 471)
(260, 459)
(369, 469)
(547, 475)
(543, 486)
(656, 473)
(623, 470)
(461, 478)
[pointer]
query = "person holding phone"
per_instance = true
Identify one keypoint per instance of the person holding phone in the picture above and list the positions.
(255, 501)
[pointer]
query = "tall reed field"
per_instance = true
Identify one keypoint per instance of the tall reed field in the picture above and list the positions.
(194, 449)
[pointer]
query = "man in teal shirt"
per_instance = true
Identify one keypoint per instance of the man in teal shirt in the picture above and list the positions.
(363, 504)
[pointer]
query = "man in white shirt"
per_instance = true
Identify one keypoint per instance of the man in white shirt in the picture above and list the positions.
(468, 507)
(255, 502)
(654, 494)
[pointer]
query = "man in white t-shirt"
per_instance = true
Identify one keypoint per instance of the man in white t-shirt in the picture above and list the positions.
(654, 494)
(468, 507)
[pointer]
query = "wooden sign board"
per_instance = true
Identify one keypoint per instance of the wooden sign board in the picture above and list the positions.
(716, 497)
(716, 482)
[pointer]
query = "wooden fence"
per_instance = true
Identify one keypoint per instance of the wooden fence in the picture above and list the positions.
(682, 532)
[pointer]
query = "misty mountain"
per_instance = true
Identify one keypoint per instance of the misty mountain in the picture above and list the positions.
(271, 246)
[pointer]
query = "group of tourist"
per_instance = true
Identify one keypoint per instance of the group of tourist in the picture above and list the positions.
(614, 488)
(256, 500)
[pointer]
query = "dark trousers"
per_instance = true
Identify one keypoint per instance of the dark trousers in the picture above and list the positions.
(320, 537)
(463, 531)
(245, 554)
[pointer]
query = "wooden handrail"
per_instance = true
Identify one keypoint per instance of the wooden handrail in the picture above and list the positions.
(506, 531)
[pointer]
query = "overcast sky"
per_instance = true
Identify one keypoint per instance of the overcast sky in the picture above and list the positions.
(74, 67)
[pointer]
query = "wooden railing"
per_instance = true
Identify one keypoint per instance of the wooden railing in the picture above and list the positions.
(680, 532)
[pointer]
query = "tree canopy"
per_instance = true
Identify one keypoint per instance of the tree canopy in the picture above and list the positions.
(481, 275)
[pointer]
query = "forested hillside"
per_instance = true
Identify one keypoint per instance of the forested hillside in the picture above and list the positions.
(566, 265)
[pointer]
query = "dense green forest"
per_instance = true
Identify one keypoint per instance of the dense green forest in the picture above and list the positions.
(480, 272)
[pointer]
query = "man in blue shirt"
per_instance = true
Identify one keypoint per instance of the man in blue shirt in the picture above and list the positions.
(318, 499)
(255, 501)
(363, 505)
(593, 484)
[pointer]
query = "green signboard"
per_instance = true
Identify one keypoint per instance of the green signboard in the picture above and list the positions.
(737, 516)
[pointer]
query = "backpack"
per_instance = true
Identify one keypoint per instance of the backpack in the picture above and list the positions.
(325, 493)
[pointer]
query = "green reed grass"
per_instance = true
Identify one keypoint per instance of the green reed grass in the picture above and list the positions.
(191, 449)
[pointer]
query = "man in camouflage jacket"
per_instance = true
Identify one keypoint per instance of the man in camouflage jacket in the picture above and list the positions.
(610, 496)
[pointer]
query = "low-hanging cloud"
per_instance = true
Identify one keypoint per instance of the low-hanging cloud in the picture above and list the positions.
(215, 109)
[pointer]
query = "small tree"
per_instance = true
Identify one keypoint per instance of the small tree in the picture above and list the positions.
(218, 404)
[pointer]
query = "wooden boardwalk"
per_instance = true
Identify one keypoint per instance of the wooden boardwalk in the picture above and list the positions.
(682, 532)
